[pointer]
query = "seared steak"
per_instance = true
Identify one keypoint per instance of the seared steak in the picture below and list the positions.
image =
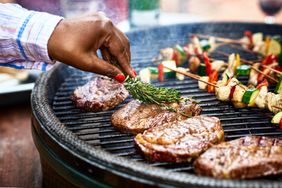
(99, 94)
(136, 117)
(247, 157)
(180, 141)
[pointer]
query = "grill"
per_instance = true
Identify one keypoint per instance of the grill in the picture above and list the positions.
(83, 149)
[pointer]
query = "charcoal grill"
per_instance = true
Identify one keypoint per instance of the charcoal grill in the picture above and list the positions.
(83, 149)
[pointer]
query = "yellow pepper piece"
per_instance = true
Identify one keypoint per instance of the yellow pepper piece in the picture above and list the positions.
(267, 42)
(238, 62)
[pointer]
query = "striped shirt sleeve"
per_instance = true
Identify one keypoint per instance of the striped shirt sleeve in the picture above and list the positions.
(24, 36)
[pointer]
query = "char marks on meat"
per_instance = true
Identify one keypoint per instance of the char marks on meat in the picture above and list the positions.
(180, 141)
(99, 94)
(136, 117)
(243, 158)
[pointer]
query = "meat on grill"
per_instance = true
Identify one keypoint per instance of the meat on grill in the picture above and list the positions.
(180, 141)
(243, 158)
(136, 117)
(99, 94)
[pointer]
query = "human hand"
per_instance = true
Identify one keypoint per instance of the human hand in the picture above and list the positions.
(75, 42)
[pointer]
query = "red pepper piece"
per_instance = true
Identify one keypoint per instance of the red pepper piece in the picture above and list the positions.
(280, 124)
(232, 90)
(207, 63)
(161, 72)
(175, 56)
(269, 59)
(213, 78)
(263, 83)
(261, 75)
(278, 67)
(249, 34)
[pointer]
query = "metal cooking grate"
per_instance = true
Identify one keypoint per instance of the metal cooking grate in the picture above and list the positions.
(96, 129)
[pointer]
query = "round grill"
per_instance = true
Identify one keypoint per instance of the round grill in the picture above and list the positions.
(83, 149)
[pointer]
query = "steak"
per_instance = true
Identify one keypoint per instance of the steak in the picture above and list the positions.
(180, 141)
(243, 158)
(136, 117)
(99, 94)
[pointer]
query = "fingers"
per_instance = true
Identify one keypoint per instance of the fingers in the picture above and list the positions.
(119, 47)
(100, 66)
(106, 54)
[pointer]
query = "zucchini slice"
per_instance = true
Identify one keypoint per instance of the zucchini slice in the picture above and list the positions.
(278, 87)
(202, 70)
(250, 96)
(243, 70)
(276, 118)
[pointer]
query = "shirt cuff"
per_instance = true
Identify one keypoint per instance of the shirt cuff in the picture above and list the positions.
(37, 34)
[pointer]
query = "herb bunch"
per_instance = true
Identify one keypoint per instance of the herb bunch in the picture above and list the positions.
(150, 94)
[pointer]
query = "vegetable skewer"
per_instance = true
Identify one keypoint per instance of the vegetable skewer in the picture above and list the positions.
(220, 39)
(194, 76)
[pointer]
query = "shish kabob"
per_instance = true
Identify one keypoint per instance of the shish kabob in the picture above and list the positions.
(229, 89)
(176, 56)
(254, 95)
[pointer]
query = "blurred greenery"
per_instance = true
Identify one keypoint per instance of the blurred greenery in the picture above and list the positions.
(144, 4)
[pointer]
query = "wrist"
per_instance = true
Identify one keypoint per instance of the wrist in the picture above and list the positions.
(54, 41)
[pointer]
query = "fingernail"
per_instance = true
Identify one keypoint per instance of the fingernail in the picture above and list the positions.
(134, 72)
(120, 78)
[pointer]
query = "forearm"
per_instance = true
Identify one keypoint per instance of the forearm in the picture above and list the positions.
(24, 36)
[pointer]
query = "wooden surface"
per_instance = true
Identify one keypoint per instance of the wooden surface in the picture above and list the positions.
(19, 159)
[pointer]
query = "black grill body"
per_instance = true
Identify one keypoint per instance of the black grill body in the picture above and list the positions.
(83, 149)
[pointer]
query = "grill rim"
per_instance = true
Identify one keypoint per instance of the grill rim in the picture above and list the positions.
(124, 167)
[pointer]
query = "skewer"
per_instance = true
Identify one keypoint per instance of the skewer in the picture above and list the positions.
(220, 39)
(277, 107)
(272, 69)
(194, 76)
(264, 74)
(251, 63)
(241, 48)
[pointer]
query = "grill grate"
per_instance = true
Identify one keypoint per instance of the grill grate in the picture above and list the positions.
(95, 128)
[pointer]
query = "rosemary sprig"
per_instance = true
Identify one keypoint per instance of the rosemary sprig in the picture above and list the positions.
(150, 94)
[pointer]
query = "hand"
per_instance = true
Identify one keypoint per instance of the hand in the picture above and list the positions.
(75, 42)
